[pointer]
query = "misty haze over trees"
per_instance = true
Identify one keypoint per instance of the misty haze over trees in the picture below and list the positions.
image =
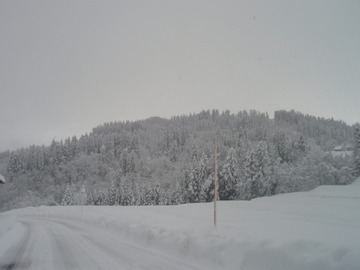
(170, 161)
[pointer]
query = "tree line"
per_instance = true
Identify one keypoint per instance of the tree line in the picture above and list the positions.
(170, 161)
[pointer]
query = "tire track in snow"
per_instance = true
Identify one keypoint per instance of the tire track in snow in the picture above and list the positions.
(18, 257)
(52, 244)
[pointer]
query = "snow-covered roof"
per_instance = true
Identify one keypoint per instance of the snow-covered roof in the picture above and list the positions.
(2, 179)
(344, 147)
(339, 148)
(342, 154)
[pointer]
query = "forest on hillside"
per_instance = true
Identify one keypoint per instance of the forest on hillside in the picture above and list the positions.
(170, 161)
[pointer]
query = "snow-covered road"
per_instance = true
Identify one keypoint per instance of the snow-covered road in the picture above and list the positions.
(319, 229)
(46, 243)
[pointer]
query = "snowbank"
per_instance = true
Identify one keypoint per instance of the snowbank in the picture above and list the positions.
(319, 229)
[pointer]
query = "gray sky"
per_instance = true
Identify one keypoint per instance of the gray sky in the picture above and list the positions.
(68, 66)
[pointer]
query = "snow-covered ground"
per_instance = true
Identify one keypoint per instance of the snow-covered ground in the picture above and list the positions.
(319, 230)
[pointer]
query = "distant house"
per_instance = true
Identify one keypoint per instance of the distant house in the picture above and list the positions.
(343, 150)
(2, 179)
(344, 147)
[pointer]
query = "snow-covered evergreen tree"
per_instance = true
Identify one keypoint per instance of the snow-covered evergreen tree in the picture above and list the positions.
(250, 186)
(207, 189)
(194, 186)
(357, 151)
(281, 146)
(82, 197)
(69, 195)
(256, 172)
(198, 175)
(98, 196)
(228, 178)
(112, 195)
(185, 188)
(173, 195)
(126, 196)
(262, 167)
(152, 195)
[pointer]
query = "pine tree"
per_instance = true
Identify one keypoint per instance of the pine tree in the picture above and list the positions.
(207, 189)
(82, 197)
(184, 185)
(301, 144)
(152, 195)
(112, 195)
(228, 180)
(357, 151)
(256, 171)
(266, 182)
(281, 146)
(69, 195)
(198, 175)
(125, 194)
(250, 188)
(194, 182)
(174, 195)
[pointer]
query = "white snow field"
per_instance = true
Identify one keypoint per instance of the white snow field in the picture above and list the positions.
(318, 230)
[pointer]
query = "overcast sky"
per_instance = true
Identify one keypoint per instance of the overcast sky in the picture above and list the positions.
(68, 66)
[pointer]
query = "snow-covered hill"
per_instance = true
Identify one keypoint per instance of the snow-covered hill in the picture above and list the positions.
(319, 229)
